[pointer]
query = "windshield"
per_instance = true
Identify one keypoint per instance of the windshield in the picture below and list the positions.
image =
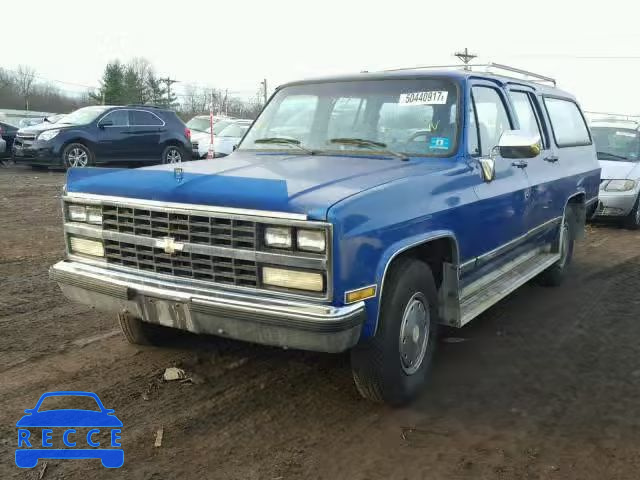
(415, 117)
(82, 116)
(219, 126)
(617, 144)
(234, 130)
(78, 402)
(199, 124)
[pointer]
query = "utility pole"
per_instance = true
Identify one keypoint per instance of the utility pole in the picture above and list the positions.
(168, 82)
(264, 89)
(465, 57)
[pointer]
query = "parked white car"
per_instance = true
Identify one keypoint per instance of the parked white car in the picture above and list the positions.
(617, 142)
(226, 134)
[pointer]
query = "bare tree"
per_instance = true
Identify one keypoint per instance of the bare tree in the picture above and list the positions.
(24, 78)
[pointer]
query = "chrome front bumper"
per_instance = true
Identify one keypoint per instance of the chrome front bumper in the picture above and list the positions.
(241, 316)
(615, 204)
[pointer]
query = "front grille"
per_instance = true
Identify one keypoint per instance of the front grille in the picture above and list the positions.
(183, 264)
(185, 228)
(26, 136)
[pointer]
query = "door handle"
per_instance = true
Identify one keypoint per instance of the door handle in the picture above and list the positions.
(520, 164)
(551, 159)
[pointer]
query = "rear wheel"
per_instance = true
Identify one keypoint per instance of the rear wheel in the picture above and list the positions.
(393, 365)
(555, 274)
(633, 220)
(138, 332)
(173, 154)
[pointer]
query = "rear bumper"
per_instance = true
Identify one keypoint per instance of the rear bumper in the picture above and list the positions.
(615, 204)
(251, 318)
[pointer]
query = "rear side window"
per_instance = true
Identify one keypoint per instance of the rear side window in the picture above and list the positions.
(141, 118)
(568, 124)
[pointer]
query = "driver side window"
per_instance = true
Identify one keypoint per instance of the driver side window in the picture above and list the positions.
(492, 120)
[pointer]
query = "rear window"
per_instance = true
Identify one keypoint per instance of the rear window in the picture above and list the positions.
(568, 124)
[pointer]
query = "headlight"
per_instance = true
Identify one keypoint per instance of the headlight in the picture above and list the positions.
(86, 246)
(312, 240)
(277, 237)
(619, 185)
(85, 213)
(48, 135)
(293, 279)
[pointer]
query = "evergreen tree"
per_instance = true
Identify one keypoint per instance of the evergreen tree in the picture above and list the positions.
(112, 88)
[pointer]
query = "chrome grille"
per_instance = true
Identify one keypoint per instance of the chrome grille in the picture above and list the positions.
(186, 228)
(183, 264)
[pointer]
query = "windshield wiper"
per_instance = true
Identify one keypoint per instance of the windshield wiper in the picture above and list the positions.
(612, 155)
(361, 142)
(285, 141)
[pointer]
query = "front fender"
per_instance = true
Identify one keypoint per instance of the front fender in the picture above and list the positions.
(391, 252)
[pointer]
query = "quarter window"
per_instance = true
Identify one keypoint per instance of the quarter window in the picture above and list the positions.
(568, 124)
(492, 117)
(118, 118)
(141, 118)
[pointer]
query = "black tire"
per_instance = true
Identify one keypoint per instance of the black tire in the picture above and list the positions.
(173, 154)
(77, 155)
(556, 273)
(379, 372)
(138, 332)
(633, 220)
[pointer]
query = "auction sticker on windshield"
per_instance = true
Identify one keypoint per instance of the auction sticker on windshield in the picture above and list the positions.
(432, 97)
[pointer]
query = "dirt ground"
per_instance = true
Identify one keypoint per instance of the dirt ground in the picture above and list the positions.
(546, 385)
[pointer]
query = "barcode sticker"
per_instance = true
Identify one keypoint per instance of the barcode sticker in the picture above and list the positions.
(432, 97)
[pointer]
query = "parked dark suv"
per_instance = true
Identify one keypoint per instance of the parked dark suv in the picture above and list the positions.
(100, 134)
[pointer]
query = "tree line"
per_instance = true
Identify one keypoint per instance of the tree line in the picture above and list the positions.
(122, 83)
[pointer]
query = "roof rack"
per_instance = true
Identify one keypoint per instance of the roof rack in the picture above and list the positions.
(495, 68)
(614, 117)
(146, 105)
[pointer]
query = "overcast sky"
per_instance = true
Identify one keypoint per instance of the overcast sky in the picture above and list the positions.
(234, 44)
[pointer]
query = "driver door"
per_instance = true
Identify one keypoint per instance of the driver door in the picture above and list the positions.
(499, 217)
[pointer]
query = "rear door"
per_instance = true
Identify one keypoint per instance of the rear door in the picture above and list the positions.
(543, 171)
(113, 132)
(145, 131)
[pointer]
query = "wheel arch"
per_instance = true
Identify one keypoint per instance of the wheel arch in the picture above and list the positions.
(435, 249)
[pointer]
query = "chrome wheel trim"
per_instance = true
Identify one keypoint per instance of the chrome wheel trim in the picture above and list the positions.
(77, 157)
(638, 215)
(414, 333)
(174, 156)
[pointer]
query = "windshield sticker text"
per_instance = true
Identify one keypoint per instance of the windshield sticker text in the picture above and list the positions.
(432, 97)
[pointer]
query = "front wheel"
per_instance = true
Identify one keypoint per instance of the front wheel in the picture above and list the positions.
(393, 365)
(138, 332)
(77, 155)
(633, 220)
(173, 154)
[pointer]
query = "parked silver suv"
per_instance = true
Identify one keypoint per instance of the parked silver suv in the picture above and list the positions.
(617, 141)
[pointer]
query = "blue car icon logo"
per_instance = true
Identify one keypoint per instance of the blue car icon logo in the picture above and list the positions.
(80, 433)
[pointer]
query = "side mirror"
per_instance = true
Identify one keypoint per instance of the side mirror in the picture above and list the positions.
(105, 123)
(519, 144)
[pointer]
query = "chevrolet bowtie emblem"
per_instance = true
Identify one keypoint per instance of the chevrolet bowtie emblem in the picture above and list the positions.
(169, 245)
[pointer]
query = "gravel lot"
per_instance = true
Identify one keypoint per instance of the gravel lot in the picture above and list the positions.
(545, 385)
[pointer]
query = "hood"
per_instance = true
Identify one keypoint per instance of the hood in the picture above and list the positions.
(69, 418)
(41, 127)
(619, 170)
(199, 136)
(272, 182)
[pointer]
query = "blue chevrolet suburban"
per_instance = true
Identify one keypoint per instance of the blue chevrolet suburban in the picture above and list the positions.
(357, 213)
